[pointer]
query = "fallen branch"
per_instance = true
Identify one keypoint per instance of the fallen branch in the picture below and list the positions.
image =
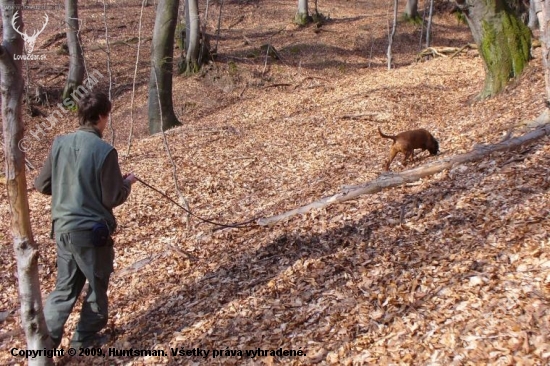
(239, 20)
(443, 51)
(468, 46)
(301, 82)
(50, 41)
(277, 85)
(408, 176)
(358, 116)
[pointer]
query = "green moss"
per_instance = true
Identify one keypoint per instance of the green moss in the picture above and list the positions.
(460, 17)
(193, 69)
(73, 108)
(232, 66)
(505, 46)
(342, 68)
(519, 43)
(294, 50)
(302, 18)
(489, 44)
(416, 20)
(180, 35)
(253, 54)
(497, 66)
(319, 18)
(188, 68)
(63, 49)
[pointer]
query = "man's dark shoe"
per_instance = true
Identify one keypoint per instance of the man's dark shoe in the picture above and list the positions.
(93, 342)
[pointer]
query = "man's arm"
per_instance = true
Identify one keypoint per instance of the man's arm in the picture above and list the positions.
(43, 183)
(114, 188)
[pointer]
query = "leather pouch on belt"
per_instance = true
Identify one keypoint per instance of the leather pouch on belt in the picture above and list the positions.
(100, 234)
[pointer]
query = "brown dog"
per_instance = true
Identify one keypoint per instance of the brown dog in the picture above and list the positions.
(407, 141)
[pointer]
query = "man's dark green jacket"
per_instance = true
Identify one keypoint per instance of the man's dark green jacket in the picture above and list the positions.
(83, 177)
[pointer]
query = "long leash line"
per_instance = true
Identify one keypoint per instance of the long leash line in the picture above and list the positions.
(235, 225)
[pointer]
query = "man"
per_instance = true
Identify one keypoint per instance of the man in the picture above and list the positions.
(83, 177)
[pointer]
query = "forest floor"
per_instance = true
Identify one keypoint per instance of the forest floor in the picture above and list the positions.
(451, 270)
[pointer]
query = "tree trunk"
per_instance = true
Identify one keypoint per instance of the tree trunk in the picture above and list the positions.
(26, 252)
(162, 117)
(429, 26)
(76, 63)
(503, 40)
(392, 34)
(192, 37)
(302, 16)
(543, 15)
(316, 9)
(545, 45)
(411, 10)
(535, 9)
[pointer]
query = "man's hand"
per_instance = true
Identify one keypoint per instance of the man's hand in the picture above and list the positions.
(130, 178)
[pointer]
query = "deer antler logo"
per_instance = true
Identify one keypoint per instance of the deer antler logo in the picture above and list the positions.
(30, 41)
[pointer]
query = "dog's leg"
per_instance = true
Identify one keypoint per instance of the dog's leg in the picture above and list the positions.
(393, 152)
(412, 156)
(406, 158)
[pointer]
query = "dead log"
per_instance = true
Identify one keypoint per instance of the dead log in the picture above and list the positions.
(277, 85)
(358, 116)
(389, 180)
(443, 51)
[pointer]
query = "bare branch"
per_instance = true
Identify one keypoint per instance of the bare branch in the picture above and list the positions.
(108, 43)
(167, 147)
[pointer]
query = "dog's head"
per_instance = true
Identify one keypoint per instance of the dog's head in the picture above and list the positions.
(434, 146)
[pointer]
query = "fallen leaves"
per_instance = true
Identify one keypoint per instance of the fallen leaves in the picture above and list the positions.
(451, 270)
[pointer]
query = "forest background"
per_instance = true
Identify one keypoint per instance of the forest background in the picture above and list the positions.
(452, 269)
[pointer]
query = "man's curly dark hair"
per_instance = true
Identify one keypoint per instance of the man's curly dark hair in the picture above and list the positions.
(91, 106)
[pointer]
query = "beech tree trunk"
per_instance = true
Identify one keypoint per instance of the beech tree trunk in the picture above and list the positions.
(192, 37)
(26, 252)
(535, 13)
(429, 26)
(162, 117)
(392, 34)
(503, 40)
(411, 9)
(545, 45)
(302, 16)
(76, 57)
(543, 15)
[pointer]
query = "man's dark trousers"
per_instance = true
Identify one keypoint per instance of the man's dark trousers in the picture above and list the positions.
(77, 261)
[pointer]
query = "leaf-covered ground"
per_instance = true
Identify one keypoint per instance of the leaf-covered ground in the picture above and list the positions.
(452, 270)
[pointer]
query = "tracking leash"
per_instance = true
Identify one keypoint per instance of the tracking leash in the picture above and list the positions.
(239, 225)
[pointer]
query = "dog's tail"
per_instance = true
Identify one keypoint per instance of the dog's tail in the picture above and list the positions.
(386, 136)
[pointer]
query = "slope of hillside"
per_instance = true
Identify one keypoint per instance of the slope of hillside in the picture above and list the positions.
(452, 270)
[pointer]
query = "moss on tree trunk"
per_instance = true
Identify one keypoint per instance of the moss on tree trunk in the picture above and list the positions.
(505, 49)
(302, 15)
(503, 40)
(302, 19)
(191, 64)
